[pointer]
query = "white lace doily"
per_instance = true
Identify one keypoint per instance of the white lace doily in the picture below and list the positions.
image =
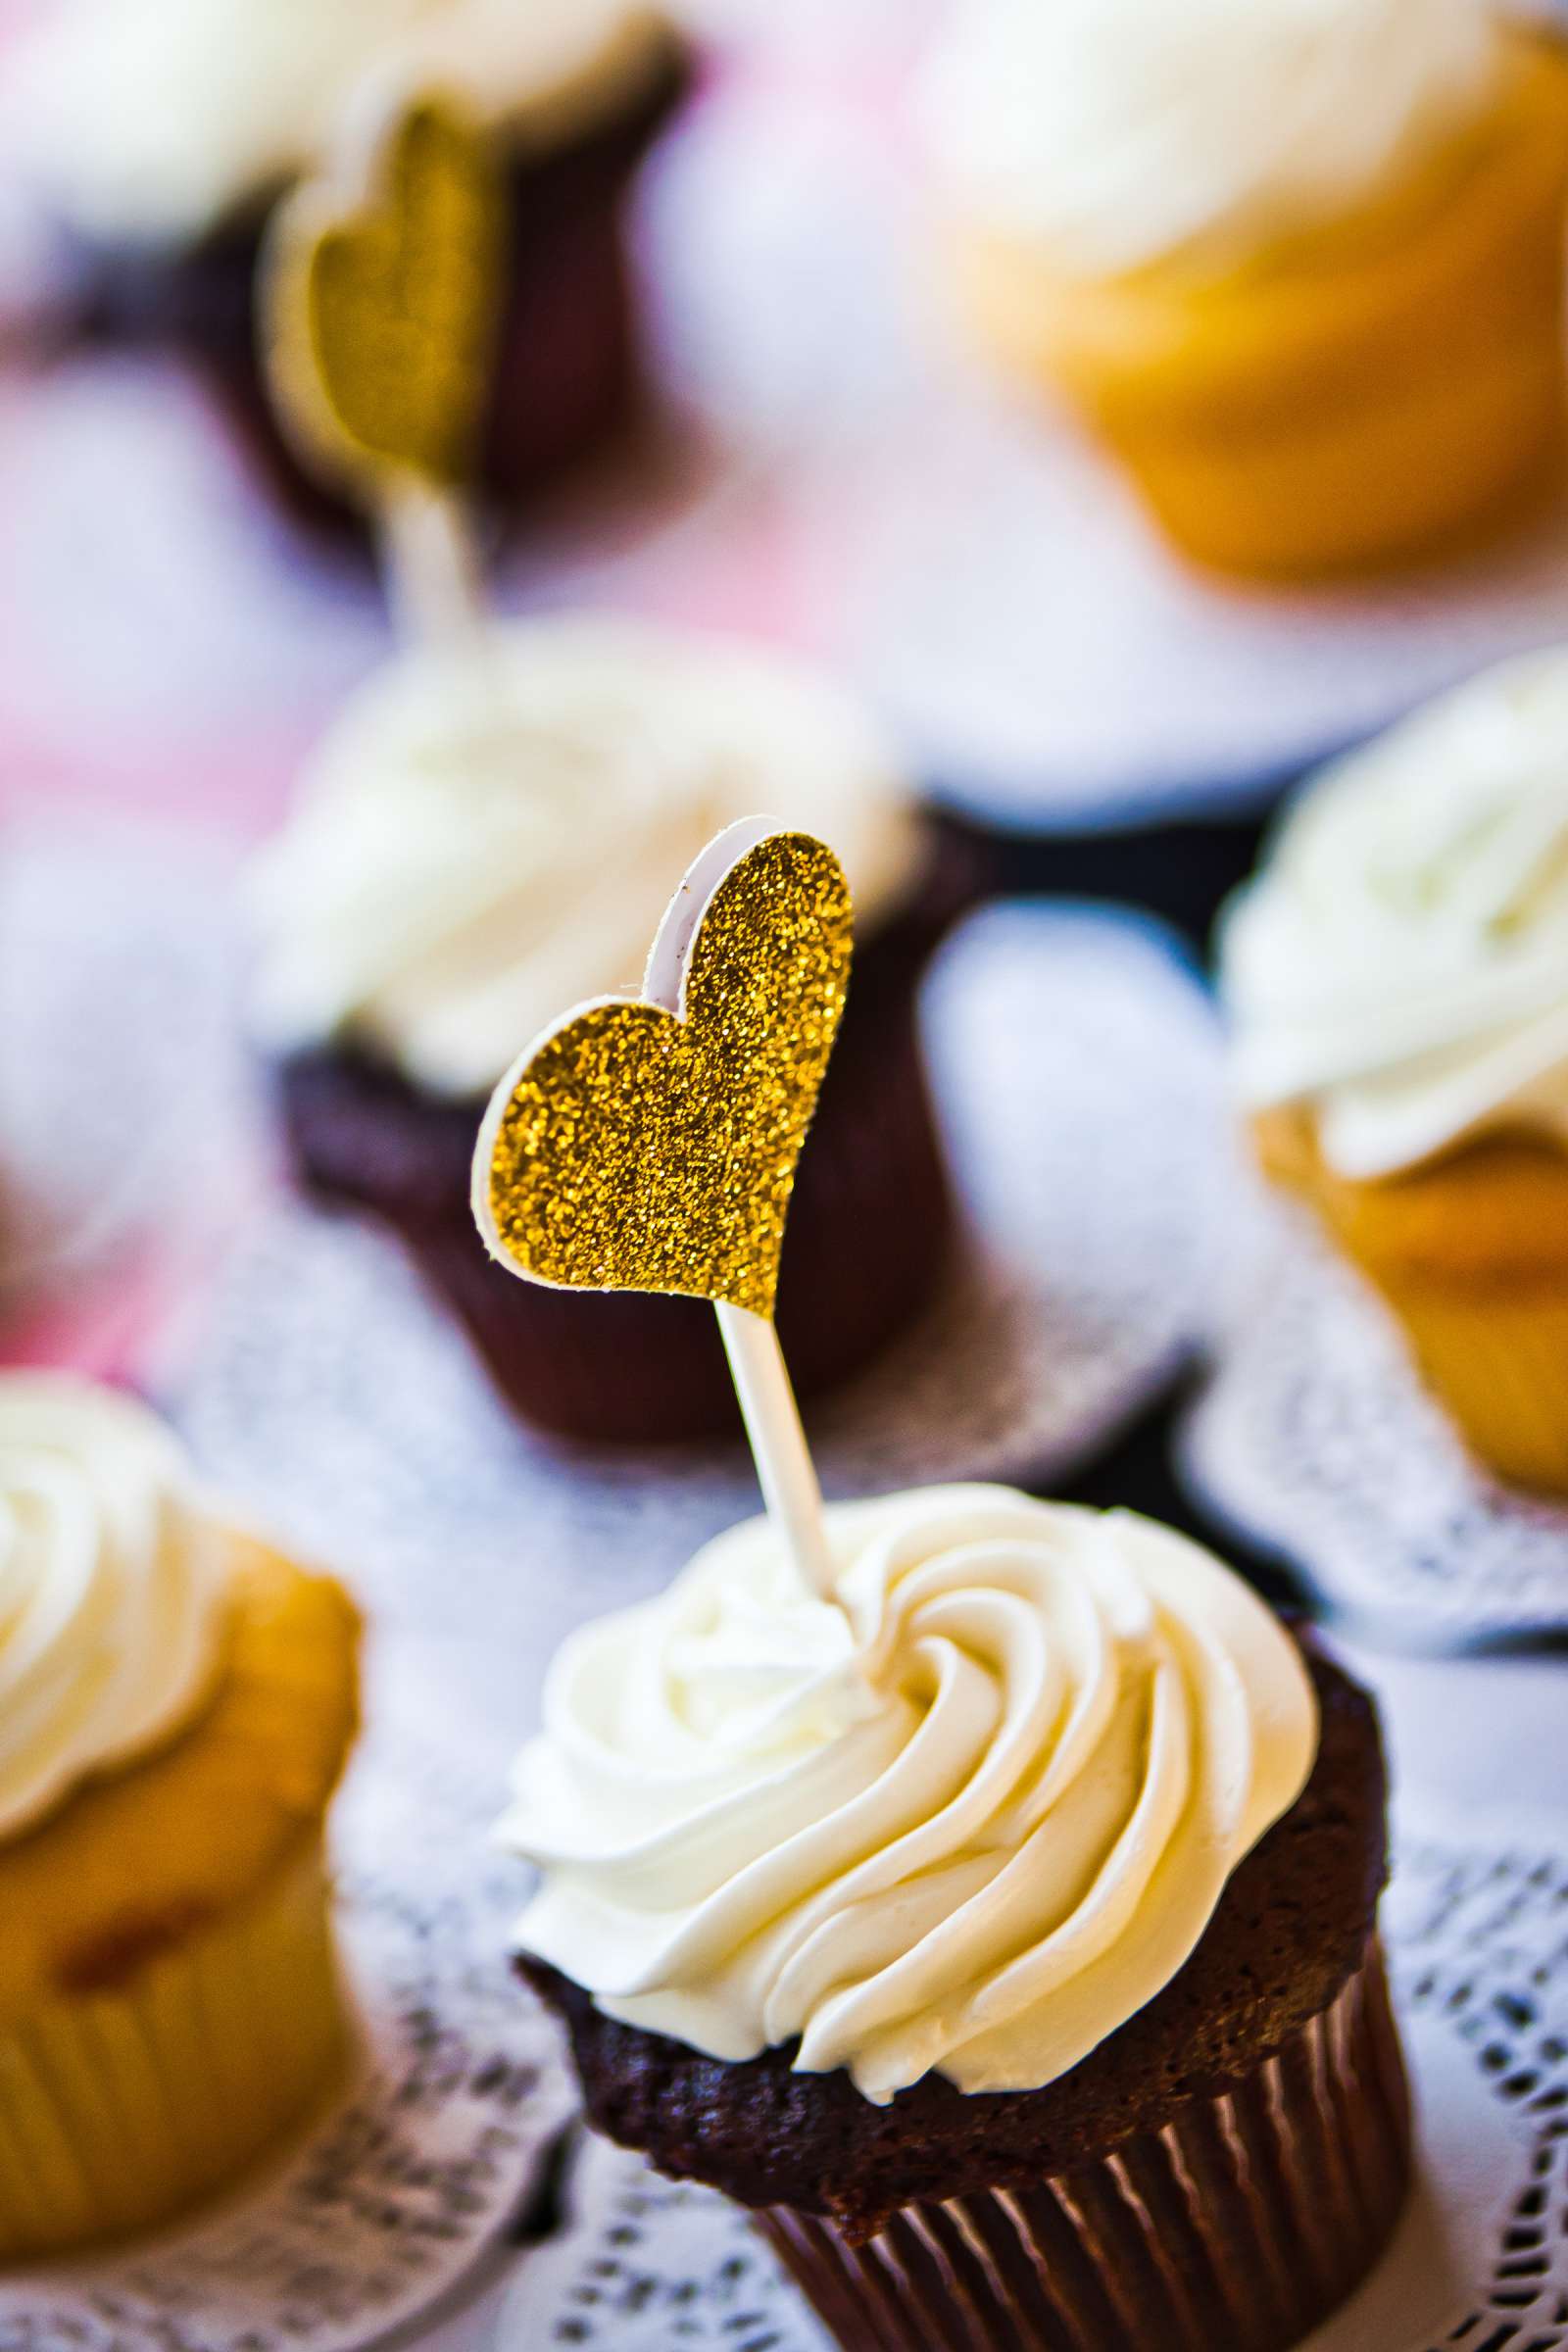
(1481, 2258)
(1077, 1073)
(458, 2093)
(1315, 1438)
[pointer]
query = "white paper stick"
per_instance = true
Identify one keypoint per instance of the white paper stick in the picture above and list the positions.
(432, 571)
(784, 1468)
(785, 1471)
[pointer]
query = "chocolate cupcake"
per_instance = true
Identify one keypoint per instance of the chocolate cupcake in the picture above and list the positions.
(161, 134)
(1002, 1929)
(486, 835)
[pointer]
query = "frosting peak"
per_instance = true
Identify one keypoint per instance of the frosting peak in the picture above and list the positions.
(1113, 132)
(483, 838)
(1400, 966)
(970, 1815)
(110, 1586)
(153, 119)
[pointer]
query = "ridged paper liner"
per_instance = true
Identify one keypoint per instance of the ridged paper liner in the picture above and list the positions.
(1498, 1365)
(1240, 2224)
(1318, 1436)
(405, 2174)
(121, 2107)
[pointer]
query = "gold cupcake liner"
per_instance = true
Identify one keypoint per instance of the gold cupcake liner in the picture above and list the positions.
(121, 2106)
(1241, 2224)
(1499, 1367)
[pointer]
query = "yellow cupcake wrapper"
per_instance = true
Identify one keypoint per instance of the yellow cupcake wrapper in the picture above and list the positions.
(121, 2107)
(1500, 1366)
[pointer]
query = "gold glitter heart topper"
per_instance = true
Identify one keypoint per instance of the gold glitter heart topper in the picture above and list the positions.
(650, 1143)
(381, 299)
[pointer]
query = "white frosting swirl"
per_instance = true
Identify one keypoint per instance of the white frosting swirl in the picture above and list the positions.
(970, 1816)
(111, 1589)
(486, 838)
(1400, 965)
(1112, 131)
(150, 120)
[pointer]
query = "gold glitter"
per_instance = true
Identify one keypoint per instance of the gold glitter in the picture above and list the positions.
(382, 320)
(639, 1151)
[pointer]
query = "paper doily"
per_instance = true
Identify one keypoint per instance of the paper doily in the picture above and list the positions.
(1481, 2259)
(1077, 1072)
(386, 2204)
(1315, 1438)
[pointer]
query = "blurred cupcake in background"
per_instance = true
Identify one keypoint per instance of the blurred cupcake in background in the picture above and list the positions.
(486, 836)
(1298, 263)
(1397, 978)
(176, 1702)
(1001, 1925)
(160, 133)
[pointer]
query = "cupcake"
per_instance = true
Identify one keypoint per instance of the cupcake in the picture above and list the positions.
(176, 1705)
(488, 834)
(160, 132)
(1397, 979)
(999, 1928)
(1296, 263)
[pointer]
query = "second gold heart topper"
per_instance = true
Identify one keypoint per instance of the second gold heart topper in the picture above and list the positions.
(650, 1143)
(381, 297)
(381, 300)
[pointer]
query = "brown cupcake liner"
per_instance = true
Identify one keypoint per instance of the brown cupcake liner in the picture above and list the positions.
(1236, 2227)
(867, 1247)
(871, 1231)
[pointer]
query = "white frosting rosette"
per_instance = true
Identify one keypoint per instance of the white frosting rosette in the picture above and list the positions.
(486, 836)
(111, 1589)
(1399, 968)
(150, 120)
(970, 1813)
(1110, 132)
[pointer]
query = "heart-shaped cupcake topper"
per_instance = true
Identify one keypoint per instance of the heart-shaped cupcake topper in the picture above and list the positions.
(380, 295)
(650, 1142)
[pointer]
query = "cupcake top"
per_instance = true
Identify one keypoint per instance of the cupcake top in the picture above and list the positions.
(969, 1815)
(111, 1585)
(1399, 968)
(150, 120)
(487, 835)
(1112, 133)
